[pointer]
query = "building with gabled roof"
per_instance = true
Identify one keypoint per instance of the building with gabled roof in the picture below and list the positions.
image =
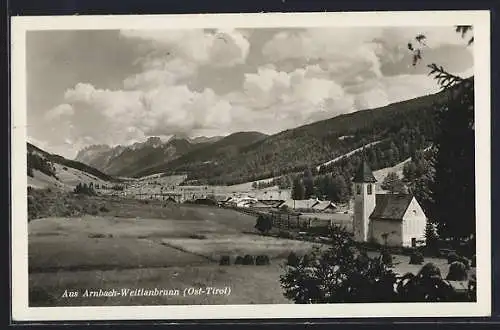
(323, 206)
(387, 219)
(300, 204)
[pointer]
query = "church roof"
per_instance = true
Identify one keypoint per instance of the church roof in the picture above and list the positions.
(391, 206)
(364, 173)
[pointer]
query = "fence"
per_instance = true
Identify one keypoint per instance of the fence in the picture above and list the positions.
(301, 221)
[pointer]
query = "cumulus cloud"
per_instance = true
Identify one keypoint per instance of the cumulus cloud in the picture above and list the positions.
(133, 114)
(59, 111)
(300, 77)
(220, 48)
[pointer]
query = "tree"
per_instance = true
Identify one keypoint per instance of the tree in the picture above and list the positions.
(84, 189)
(298, 190)
(339, 189)
(338, 274)
(453, 187)
(431, 237)
(308, 183)
(264, 224)
(418, 175)
(393, 184)
(343, 274)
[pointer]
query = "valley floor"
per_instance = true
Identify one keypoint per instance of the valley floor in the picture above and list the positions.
(178, 249)
(151, 246)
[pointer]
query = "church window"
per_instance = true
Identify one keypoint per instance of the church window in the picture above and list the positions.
(358, 189)
(369, 189)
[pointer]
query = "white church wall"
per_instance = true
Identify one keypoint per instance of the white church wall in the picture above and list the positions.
(392, 228)
(414, 222)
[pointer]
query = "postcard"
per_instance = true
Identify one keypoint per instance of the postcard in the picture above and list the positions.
(251, 166)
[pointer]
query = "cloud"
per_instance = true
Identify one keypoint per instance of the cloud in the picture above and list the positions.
(220, 48)
(160, 71)
(360, 53)
(296, 78)
(270, 101)
(126, 115)
(59, 111)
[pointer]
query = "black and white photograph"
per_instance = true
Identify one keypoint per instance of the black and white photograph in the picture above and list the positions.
(299, 162)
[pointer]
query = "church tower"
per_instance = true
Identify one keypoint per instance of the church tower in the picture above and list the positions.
(364, 201)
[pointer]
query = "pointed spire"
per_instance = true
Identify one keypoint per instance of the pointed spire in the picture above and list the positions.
(364, 173)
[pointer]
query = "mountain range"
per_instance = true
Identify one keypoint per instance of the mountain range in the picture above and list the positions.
(401, 128)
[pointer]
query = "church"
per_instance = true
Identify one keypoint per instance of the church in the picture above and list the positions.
(386, 219)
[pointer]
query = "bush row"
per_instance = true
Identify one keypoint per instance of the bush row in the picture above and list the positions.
(248, 259)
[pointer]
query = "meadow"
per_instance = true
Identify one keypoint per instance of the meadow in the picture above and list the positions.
(137, 244)
(154, 245)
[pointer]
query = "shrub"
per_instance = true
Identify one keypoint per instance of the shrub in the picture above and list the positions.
(333, 275)
(262, 260)
(473, 261)
(92, 209)
(362, 259)
(452, 257)
(284, 234)
(457, 272)
(426, 286)
(103, 208)
(386, 257)
(224, 261)
(342, 275)
(248, 260)
(197, 236)
(465, 261)
(292, 260)
(264, 224)
(429, 270)
(416, 258)
(96, 235)
(239, 260)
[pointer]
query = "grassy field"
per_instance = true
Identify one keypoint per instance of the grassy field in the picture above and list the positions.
(159, 245)
(136, 245)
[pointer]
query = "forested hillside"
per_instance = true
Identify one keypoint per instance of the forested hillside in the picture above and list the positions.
(207, 155)
(43, 161)
(402, 129)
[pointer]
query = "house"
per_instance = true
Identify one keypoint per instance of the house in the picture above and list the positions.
(300, 204)
(387, 219)
(245, 202)
(261, 205)
(324, 206)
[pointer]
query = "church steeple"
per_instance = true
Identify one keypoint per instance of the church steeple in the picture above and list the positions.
(364, 201)
(364, 173)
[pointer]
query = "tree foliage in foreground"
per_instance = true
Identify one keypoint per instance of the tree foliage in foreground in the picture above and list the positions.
(450, 197)
(344, 274)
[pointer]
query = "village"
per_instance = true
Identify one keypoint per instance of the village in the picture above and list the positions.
(372, 215)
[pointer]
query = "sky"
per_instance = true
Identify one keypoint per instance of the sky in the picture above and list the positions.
(115, 87)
